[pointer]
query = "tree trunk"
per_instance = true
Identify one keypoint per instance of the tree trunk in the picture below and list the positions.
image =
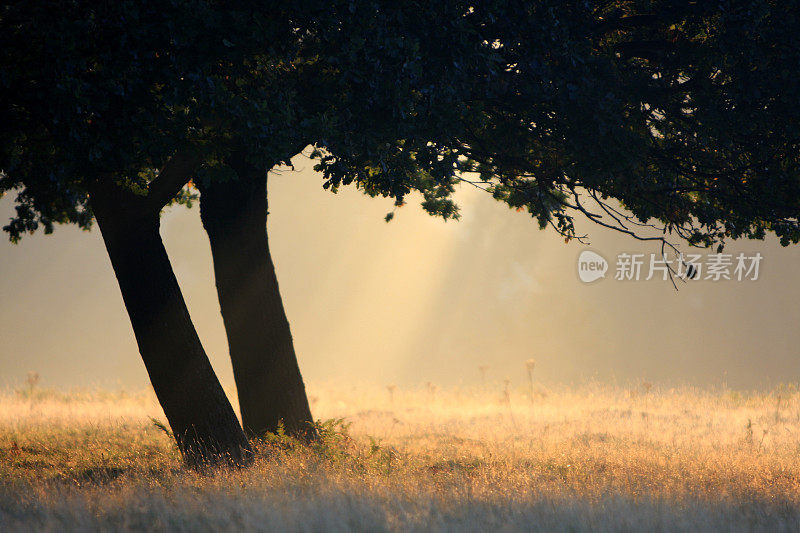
(268, 381)
(200, 415)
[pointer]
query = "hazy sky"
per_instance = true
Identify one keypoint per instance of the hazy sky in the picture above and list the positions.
(411, 301)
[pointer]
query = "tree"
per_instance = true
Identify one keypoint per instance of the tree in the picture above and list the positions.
(115, 107)
(675, 114)
(364, 75)
(109, 110)
(668, 116)
(560, 108)
(201, 417)
(268, 380)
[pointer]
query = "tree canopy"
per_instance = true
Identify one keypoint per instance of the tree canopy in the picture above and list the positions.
(682, 112)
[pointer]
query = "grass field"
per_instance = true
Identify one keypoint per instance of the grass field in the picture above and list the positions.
(568, 459)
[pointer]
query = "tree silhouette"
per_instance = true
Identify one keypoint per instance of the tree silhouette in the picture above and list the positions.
(667, 121)
(663, 120)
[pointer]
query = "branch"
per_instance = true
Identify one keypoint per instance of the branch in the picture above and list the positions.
(173, 176)
(597, 219)
(624, 23)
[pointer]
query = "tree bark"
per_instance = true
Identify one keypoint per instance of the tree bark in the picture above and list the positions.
(268, 381)
(197, 409)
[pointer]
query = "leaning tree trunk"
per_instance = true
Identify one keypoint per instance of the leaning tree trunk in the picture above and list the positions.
(199, 413)
(268, 381)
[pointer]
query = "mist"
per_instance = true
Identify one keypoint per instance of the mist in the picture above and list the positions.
(412, 301)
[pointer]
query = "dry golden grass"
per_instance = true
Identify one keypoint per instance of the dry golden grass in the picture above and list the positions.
(587, 458)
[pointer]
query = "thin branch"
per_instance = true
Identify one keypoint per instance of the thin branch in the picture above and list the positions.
(477, 185)
(176, 172)
(597, 219)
